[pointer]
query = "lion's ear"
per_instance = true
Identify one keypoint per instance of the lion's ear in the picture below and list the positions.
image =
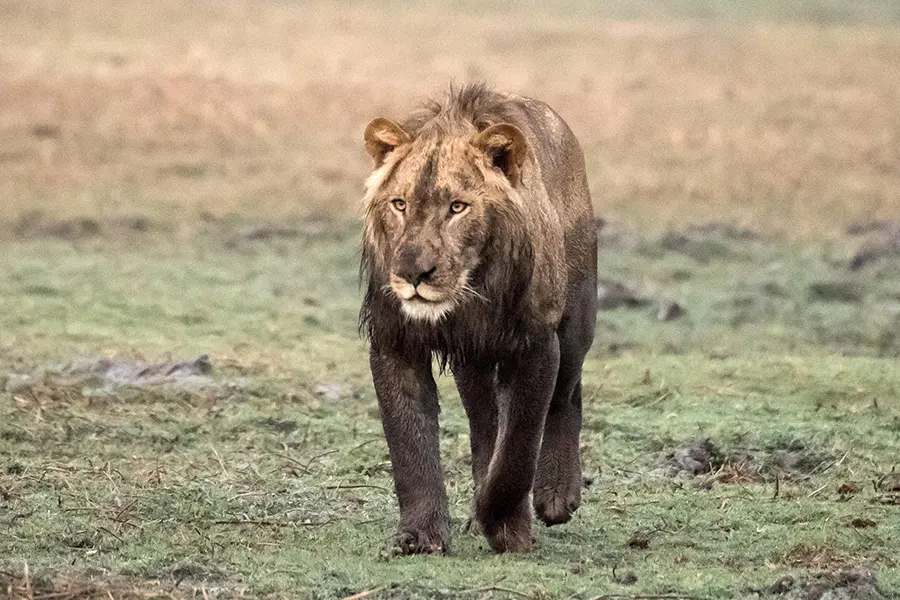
(383, 135)
(506, 146)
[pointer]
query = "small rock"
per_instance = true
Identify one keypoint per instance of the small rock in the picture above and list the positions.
(870, 227)
(46, 130)
(72, 229)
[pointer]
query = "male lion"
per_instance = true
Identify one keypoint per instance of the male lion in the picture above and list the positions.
(480, 248)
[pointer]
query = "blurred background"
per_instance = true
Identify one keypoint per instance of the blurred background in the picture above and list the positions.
(781, 115)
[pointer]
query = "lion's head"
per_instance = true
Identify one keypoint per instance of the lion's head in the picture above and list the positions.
(436, 199)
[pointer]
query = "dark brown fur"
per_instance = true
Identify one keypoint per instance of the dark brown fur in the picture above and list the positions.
(508, 303)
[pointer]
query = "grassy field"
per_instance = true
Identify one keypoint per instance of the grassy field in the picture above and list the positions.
(188, 189)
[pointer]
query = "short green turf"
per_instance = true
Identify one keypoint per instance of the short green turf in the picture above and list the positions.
(270, 485)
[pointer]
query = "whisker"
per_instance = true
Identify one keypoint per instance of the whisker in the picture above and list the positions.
(467, 289)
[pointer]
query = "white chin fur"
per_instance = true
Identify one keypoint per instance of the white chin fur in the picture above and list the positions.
(432, 312)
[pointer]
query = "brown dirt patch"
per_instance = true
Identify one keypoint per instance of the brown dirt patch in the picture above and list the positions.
(810, 557)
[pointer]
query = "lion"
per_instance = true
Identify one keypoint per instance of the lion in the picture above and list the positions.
(480, 249)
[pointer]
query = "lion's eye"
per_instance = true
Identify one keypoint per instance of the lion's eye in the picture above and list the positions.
(458, 207)
(399, 204)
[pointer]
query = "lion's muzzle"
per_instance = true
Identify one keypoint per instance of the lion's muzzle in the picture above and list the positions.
(414, 279)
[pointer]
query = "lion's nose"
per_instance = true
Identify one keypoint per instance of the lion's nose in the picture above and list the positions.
(417, 274)
(415, 267)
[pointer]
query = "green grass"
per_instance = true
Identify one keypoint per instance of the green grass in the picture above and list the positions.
(265, 486)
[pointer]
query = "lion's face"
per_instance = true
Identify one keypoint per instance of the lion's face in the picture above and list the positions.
(427, 219)
(432, 214)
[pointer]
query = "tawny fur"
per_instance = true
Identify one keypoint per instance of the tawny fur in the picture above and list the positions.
(502, 292)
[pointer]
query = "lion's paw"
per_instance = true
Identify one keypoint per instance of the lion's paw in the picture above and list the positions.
(553, 508)
(411, 541)
(511, 537)
(511, 533)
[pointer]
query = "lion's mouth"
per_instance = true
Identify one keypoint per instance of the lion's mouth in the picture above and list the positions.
(423, 292)
(423, 302)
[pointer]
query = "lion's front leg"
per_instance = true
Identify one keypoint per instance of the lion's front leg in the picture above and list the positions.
(526, 386)
(477, 385)
(408, 401)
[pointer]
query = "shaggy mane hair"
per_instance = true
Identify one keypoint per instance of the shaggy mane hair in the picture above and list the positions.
(474, 104)
(477, 330)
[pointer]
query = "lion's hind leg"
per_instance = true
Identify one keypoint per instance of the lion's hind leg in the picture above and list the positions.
(558, 481)
(557, 484)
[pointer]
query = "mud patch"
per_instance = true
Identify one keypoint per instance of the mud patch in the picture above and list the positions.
(704, 458)
(108, 374)
(697, 458)
(278, 425)
(800, 460)
(850, 584)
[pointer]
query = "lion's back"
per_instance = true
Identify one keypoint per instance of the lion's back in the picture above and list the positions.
(560, 159)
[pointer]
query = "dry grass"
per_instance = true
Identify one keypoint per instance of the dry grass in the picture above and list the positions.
(181, 110)
(22, 586)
